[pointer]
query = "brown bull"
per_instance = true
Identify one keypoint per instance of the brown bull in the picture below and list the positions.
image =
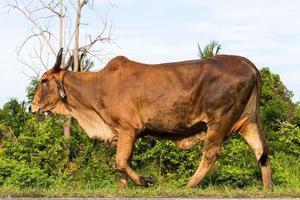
(186, 102)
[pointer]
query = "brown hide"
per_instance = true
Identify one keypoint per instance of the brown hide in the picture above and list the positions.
(187, 102)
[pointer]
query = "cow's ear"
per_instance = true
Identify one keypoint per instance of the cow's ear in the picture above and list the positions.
(57, 64)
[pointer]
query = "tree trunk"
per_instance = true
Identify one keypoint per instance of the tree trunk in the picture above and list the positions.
(67, 120)
(76, 42)
(67, 127)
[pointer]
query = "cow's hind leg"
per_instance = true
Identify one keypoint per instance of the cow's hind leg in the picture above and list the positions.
(211, 149)
(253, 136)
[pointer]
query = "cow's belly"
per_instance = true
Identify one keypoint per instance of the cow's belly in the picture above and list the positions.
(177, 115)
(173, 124)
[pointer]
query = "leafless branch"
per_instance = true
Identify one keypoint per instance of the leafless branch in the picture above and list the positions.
(71, 36)
(51, 8)
(39, 56)
(99, 38)
(61, 27)
(80, 5)
(45, 17)
(28, 15)
(26, 40)
(30, 66)
(40, 14)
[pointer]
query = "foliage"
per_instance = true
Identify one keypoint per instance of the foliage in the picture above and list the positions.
(31, 88)
(41, 150)
(287, 139)
(19, 174)
(276, 101)
(212, 49)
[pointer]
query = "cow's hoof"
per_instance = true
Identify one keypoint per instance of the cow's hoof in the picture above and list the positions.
(146, 181)
(122, 184)
(191, 184)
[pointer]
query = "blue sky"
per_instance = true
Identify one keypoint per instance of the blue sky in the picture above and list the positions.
(267, 32)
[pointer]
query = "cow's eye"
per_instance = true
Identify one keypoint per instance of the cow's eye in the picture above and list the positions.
(44, 81)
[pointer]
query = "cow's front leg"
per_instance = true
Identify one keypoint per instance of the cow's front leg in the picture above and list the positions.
(126, 141)
(124, 177)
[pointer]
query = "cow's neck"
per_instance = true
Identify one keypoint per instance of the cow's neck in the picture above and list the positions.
(83, 91)
(82, 88)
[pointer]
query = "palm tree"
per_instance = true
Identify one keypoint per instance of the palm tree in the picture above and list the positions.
(210, 50)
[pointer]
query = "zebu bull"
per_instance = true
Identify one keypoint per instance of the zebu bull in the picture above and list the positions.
(186, 102)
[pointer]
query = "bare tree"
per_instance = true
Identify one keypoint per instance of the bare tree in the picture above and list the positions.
(51, 28)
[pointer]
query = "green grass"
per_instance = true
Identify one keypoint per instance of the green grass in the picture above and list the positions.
(158, 191)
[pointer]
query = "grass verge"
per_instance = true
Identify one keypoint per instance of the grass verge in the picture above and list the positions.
(158, 191)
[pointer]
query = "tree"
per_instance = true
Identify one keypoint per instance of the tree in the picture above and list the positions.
(276, 102)
(209, 50)
(47, 36)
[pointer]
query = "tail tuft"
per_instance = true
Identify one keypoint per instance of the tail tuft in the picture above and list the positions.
(263, 159)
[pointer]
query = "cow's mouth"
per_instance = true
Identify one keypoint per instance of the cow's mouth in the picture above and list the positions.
(34, 109)
(49, 113)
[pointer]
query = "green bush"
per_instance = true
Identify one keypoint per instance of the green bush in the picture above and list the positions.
(280, 173)
(42, 148)
(40, 144)
(18, 174)
(276, 101)
(236, 176)
(289, 137)
(238, 165)
(171, 162)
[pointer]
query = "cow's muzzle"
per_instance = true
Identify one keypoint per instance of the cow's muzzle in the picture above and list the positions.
(33, 109)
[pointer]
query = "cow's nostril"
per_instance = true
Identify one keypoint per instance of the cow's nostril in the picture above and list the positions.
(29, 109)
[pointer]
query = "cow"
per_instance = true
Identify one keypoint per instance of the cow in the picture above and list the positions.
(188, 102)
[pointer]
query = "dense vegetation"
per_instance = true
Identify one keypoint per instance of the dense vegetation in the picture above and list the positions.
(35, 154)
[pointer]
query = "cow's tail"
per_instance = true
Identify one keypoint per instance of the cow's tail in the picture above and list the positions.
(255, 98)
(264, 157)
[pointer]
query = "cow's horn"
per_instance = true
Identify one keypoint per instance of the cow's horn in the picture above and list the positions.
(69, 63)
(56, 67)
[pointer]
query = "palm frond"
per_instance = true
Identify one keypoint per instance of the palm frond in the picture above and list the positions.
(211, 49)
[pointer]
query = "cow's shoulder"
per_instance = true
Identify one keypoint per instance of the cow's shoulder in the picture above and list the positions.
(117, 63)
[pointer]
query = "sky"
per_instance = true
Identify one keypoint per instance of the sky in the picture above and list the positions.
(265, 31)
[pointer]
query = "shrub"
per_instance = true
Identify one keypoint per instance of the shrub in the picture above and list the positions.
(18, 174)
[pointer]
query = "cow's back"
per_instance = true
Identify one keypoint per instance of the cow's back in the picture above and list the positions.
(173, 97)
